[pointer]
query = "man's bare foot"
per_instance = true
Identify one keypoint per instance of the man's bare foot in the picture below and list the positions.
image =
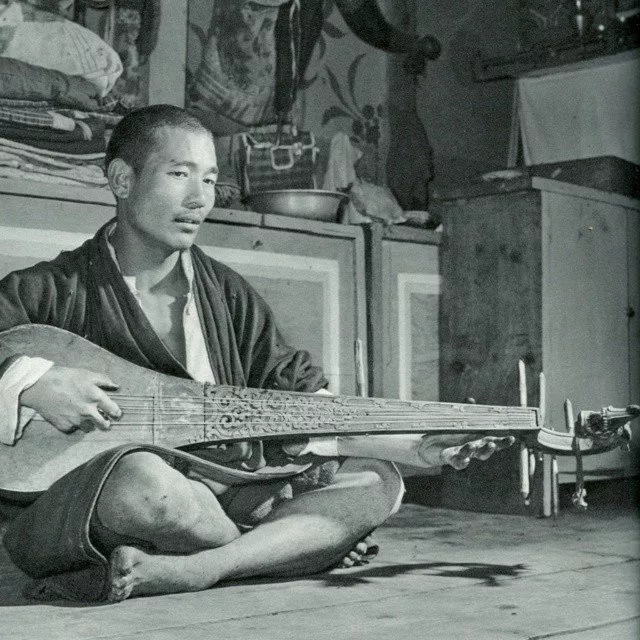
(133, 572)
(360, 554)
(482, 449)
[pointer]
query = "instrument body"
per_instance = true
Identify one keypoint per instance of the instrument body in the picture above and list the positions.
(180, 413)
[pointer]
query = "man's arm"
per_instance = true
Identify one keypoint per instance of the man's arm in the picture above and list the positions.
(67, 398)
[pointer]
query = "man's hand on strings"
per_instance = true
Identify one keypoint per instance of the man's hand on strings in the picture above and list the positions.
(459, 457)
(70, 399)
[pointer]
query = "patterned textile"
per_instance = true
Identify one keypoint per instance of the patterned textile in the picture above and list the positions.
(131, 28)
(48, 177)
(48, 156)
(37, 118)
(237, 73)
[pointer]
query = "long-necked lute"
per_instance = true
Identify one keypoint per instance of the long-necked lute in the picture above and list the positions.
(180, 413)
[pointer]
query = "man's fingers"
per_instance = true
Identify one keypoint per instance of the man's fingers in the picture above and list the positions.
(93, 419)
(459, 462)
(104, 382)
(108, 408)
(484, 452)
(504, 443)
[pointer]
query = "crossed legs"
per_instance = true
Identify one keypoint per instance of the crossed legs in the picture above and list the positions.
(196, 545)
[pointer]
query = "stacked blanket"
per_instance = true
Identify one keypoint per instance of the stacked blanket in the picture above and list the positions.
(56, 106)
(57, 145)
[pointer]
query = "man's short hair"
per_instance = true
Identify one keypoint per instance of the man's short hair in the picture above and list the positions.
(133, 137)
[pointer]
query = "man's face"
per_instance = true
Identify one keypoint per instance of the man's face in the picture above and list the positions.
(171, 194)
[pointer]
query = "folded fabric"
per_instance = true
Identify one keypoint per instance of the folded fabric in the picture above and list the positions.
(24, 81)
(109, 119)
(29, 134)
(42, 106)
(49, 40)
(74, 158)
(53, 141)
(24, 159)
(16, 103)
(36, 118)
(11, 172)
(92, 174)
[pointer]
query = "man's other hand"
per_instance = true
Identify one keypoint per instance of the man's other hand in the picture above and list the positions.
(71, 399)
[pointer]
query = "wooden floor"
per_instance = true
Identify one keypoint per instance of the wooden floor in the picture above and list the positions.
(440, 575)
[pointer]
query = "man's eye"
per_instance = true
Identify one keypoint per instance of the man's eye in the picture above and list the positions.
(182, 174)
(210, 181)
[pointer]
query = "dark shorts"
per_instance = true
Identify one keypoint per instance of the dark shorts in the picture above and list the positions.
(52, 536)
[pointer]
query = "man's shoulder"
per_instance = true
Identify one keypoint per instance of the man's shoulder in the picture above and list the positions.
(65, 263)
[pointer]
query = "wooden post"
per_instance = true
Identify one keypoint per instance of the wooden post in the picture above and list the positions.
(525, 486)
(373, 267)
(549, 464)
(361, 383)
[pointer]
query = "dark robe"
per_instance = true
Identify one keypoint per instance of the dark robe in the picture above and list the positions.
(83, 291)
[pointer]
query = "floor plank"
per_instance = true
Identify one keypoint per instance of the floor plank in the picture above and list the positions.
(449, 574)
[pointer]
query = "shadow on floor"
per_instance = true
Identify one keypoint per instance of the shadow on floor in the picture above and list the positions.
(490, 574)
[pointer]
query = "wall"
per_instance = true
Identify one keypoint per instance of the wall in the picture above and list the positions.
(347, 91)
(467, 122)
(348, 85)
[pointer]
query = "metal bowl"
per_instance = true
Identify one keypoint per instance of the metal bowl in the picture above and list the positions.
(313, 204)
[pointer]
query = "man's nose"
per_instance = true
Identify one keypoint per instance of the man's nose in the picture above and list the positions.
(196, 196)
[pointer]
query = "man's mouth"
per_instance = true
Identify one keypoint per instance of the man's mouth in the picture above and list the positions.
(188, 220)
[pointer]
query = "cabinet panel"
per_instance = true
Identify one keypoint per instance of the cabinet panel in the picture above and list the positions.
(586, 348)
(309, 282)
(403, 285)
(545, 273)
(411, 294)
(491, 297)
(34, 229)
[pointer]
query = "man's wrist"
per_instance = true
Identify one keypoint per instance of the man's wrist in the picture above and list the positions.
(20, 374)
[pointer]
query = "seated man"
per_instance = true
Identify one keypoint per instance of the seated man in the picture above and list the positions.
(135, 520)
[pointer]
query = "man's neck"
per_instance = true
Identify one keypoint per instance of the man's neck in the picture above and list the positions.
(151, 270)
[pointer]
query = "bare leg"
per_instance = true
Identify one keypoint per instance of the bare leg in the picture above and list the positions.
(145, 498)
(302, 536)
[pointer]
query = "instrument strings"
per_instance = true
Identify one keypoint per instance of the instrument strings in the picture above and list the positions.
(244, 411)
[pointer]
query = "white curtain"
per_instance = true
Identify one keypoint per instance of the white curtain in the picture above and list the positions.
(582, 110)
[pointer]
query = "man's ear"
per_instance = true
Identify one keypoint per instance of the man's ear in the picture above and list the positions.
(120, 176)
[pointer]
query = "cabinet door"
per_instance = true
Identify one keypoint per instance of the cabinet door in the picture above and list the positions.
(411, 293)
(310, 281)
(586, 289)
(35, 229)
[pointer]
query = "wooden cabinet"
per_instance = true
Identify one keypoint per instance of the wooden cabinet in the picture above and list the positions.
(403, 291)
(546, 272)
(310, 273)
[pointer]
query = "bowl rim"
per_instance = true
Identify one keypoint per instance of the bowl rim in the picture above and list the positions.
(327, 192)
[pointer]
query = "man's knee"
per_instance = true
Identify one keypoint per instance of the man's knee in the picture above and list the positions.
(380, 481)
(144, 491)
